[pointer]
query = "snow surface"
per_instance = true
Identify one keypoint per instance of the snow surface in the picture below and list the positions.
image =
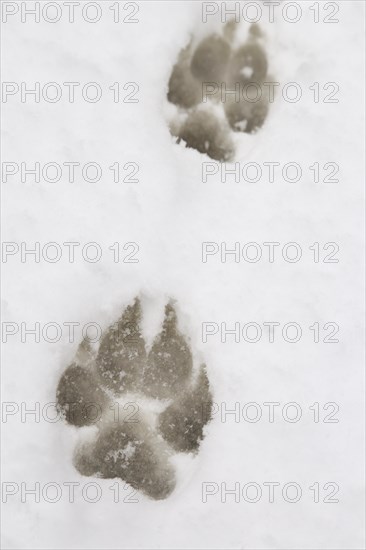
(169, 213)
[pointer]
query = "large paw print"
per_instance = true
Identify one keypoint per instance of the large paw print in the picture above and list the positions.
(175, 404)
(202, 83)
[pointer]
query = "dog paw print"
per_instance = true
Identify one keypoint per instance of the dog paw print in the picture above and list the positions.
(175, 403)
(218, 89)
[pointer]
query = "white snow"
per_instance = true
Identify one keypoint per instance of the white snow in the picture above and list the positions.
(169, 213)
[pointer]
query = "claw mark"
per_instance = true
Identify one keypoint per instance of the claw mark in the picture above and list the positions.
(138, 453)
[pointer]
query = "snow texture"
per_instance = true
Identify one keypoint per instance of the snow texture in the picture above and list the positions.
(169, 213)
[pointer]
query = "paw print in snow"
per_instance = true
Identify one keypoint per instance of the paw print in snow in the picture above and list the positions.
(176, 405)
(218, 89)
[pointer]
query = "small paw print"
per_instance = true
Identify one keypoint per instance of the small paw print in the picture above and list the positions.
(218, 89)
(175, 404)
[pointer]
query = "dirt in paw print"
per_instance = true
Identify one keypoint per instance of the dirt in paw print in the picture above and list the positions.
(217, 87)
(174, 403)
